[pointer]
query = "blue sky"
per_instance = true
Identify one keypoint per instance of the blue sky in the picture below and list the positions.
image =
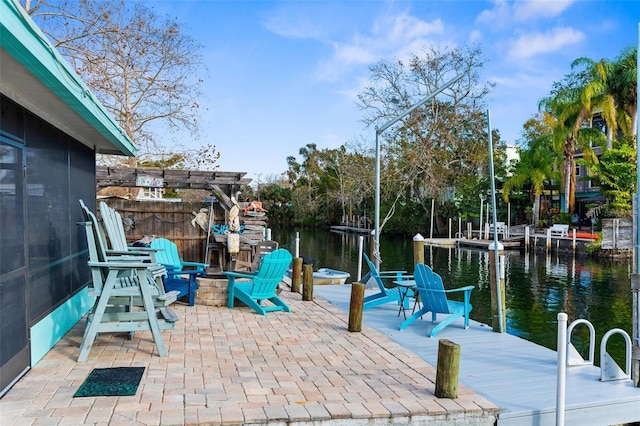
(282, 74)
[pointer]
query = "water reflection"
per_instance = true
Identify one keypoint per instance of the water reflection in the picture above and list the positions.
(538, 286)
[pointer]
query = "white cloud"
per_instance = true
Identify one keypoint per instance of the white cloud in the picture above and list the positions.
(406, 28)
(288, 23)
(475, 36)
(505, 13)
(394, 36)
(530, 45)
(527, 10)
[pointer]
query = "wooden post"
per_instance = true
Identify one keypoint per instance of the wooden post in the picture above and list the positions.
(418, 249)
(448, 369)
(495, 281)
(356, 306)
(296, 275)
(307, 282)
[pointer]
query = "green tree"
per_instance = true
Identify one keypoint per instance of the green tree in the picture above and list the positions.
(615, 174)
(624, 80)
(536, 167)
(569, 114)
(597, 94)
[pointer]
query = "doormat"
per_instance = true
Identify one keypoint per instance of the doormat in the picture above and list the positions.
(119, 381)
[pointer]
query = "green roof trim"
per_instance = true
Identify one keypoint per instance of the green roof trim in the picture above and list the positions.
(22, 39)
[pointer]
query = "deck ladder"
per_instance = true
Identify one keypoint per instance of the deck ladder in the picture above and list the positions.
(573, 356)
(609, 370)
(568, 356)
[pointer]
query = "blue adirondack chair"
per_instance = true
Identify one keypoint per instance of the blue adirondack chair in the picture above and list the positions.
(385, 295)
(181, 275)
(253, 289)
(434, 299)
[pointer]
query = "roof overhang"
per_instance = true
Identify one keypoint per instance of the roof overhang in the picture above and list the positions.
(34, 75)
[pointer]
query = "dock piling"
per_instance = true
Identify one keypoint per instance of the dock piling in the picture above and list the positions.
(356, 305)
(418, 249)
(296, 275)
(448, 369)
(307, 282)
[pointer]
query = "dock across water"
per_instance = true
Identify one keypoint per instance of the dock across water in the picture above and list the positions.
(515, 374)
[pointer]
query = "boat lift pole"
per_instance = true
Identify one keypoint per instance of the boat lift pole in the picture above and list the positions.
(494, 219)
(635, 277)
(379, 130)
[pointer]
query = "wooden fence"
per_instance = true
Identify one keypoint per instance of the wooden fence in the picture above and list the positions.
(617, 234)
(168, 220)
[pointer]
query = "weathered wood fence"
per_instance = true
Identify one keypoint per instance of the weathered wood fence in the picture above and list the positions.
(168, 220)
(617, 234)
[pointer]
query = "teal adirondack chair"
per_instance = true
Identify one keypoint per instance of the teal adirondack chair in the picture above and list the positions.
(385, 295)
(114, 229)
(255, 288)
(434, 299)
(181, 275)
(118, 283)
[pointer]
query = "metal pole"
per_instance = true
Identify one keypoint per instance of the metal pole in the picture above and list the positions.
(635, 279)
(495, 219)
(376, 232)
(481, 219)
(360, 249)
(562, 367)
(433, 205)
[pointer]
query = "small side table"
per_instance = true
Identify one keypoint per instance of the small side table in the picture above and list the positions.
(403, 288)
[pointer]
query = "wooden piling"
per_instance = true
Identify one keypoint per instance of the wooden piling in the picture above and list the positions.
(355, 307)
(307, 282)
(296, 275)
(448, 369)
(498, 309)
(418, 249)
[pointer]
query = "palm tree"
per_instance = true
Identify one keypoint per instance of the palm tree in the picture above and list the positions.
(566, 107)
(597, 94)
(623, 81)
(536, 166)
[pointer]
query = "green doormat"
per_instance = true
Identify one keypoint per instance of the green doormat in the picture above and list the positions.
(119, 381)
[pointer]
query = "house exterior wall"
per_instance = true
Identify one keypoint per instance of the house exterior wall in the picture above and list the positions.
(51, 127)
(58, 172)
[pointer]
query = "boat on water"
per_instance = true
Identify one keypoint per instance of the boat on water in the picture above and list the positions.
(327, 276)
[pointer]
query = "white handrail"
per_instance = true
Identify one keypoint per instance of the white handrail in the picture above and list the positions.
(562, 368)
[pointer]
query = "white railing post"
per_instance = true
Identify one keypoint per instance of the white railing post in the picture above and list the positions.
(360, 246)
(297, 244)
(562, 368)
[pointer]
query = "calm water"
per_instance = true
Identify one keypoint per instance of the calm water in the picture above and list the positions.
(538, 286)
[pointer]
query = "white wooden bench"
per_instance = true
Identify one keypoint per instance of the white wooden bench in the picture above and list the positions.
(501, 228)
(559, 230)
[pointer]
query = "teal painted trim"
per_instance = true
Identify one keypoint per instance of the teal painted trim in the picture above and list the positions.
(47, 332)
(23, 40)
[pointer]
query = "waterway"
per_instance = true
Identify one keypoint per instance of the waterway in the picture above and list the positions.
(538, 286)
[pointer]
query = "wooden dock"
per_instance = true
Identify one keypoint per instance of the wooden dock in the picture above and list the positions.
(515, 374)
(508, 244)
(352, 229)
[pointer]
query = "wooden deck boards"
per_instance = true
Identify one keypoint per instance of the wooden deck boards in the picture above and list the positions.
(515, 374)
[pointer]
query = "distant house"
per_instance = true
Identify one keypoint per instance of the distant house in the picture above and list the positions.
(51, 127)
(586, 193)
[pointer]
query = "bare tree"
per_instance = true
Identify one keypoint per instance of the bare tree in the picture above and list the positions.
(143, 67)
(443, 141)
